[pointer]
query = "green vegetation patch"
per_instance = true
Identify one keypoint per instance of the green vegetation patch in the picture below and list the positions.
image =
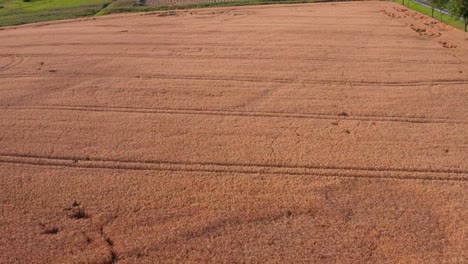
(125, 6)
(16, 12)
(437, 15)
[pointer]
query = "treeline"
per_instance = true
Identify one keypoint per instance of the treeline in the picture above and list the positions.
(457, 8)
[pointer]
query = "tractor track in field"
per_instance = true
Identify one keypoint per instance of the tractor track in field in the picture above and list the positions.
(203, 56)
(212, 167)
(255, 114)
(207, 45)
(14, 61)
(241, 79)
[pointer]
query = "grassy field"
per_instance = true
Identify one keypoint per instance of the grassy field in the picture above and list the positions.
(437, 15)
(15, 12)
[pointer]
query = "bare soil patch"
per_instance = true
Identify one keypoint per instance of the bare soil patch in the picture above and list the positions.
(324, 133)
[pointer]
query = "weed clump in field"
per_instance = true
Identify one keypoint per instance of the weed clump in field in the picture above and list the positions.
(76, 211)
(51, 231)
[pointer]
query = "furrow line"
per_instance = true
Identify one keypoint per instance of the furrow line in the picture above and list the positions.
(259, 114)
(203, 56)
(455, 175)
(242, 79)
(14, 62)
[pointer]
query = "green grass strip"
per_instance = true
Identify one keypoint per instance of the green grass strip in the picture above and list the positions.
(121, 8)
(437, 15)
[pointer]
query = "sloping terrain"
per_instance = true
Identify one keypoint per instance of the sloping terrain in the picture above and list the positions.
(326, 133)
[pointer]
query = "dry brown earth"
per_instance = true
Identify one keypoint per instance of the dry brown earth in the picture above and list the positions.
(156, 3)
(321, 133)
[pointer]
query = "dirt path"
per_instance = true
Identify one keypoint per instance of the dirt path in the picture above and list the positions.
(326, 133)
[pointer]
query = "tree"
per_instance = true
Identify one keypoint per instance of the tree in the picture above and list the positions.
(459, 10)
(439, 4)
